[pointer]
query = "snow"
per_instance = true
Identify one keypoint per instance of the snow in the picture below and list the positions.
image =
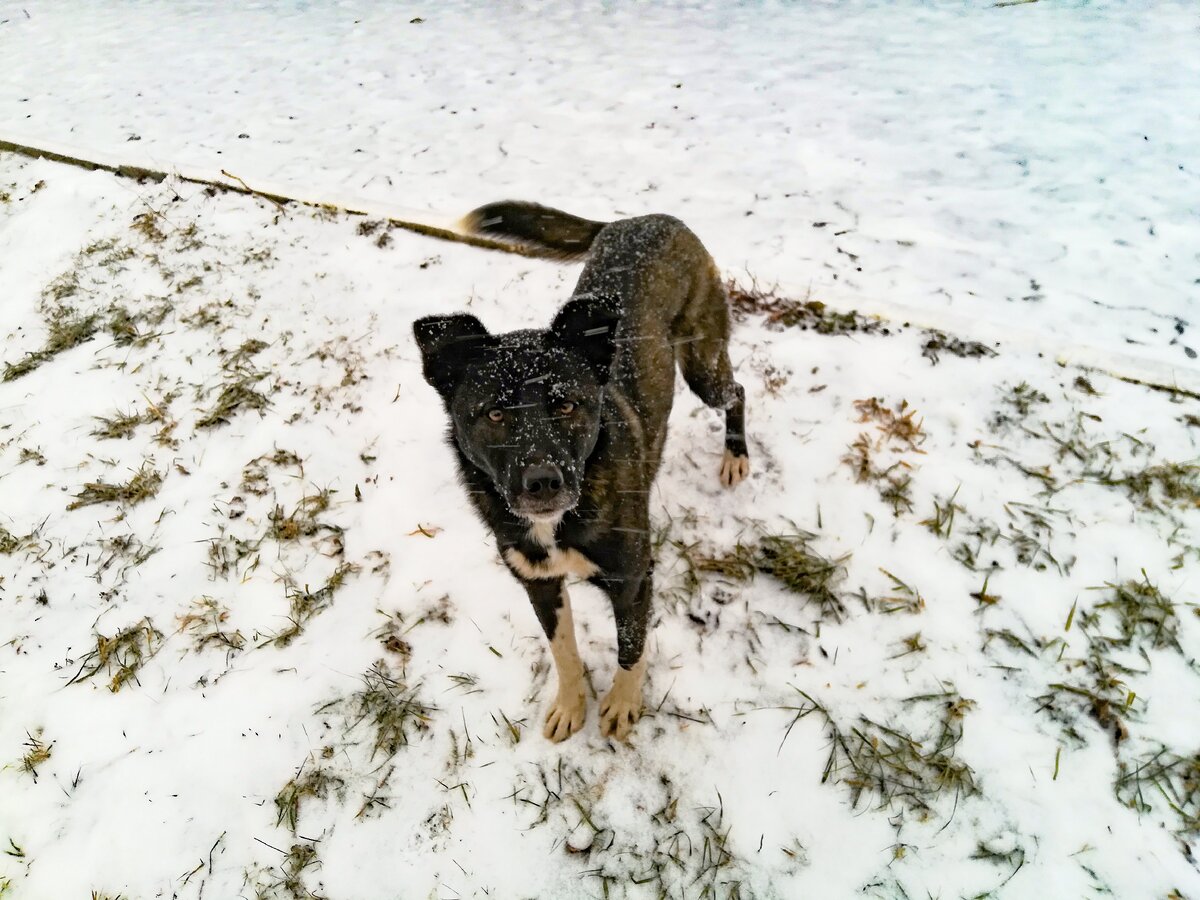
(960, 152)
(1021, 165)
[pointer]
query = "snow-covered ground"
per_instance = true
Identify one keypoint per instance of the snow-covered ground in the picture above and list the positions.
(1028, 165)
(277, 657)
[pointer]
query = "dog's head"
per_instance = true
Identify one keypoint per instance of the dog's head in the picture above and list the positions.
(524, 406)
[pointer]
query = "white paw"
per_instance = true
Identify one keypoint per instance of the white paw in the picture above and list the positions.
(734, 469)
(619, 711)
(566, 716)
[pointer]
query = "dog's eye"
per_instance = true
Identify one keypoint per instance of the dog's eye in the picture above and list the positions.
(566, 408)
(496, 415)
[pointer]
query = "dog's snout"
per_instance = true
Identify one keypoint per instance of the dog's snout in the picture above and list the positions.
(543, 480)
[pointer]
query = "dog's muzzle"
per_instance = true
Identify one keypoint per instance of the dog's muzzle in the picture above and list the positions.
(543, 492)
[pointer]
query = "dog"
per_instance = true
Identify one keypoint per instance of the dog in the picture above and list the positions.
(559, 432)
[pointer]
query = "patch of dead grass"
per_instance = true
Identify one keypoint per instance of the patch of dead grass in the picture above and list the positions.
(391, 711)
(122, 655)
(141, 487)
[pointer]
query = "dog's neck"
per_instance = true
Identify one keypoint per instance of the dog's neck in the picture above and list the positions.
(542, 531)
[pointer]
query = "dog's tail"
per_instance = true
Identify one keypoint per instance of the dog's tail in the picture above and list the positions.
(561, 234)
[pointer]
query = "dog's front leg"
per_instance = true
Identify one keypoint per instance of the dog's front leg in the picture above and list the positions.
(552, 604)
(622, 706)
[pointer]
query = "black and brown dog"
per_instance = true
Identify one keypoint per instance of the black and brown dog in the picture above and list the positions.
(559, 433)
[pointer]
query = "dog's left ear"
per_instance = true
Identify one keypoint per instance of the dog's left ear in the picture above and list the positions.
(589, 330)
(448, 344)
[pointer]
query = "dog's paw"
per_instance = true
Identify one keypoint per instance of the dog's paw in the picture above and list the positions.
(620, 710)
(566, 716)
(734, 469)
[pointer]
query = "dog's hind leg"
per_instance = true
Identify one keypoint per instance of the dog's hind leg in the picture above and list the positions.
(552, 604)
(703, 353)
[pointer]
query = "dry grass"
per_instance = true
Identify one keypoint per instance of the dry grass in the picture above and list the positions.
(146, 224)
(122, 552)
(141, 487)
(317, 782)
(121, 655)
(10, 543)
(37, 752)
(390, 710)
(65, 329)
(226, 552)
(938, 342)
(1135, 618)
(903, 598)
(682, 852)
(1161, 486)
(205, 625)
(788, 557)
(302, 521)
(255, 479)
(897, 433)
(238, 391)
(900, 769)
(126, 327)
(807, 314)
(1017, 402)
(287, 882)
(305, 605)
(791, 559)
(941, 522)
(123, 424)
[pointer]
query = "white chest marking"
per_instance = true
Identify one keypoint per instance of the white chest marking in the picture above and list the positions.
(557, 564)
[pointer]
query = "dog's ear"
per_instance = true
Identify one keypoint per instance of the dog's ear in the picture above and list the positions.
(589, 330)
(448, 344)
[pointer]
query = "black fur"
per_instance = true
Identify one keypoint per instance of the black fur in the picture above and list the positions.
(649, 297)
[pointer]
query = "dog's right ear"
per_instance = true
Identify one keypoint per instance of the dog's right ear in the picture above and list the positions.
(448, 344)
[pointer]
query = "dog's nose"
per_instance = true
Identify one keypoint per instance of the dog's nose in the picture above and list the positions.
(543, 480)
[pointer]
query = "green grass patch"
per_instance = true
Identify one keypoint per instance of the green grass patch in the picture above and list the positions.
(1145, 618)
(1163, 778)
